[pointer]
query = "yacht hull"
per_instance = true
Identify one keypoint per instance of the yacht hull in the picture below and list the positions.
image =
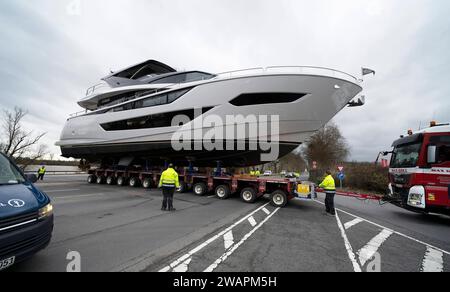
(320, 99)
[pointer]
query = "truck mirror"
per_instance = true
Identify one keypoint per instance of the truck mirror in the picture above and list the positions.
(432, 154)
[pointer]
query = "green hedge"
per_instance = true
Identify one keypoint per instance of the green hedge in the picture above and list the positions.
(360, 176)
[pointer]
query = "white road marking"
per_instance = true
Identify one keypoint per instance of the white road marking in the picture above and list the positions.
(252, 221)
(220, 260)
(206, 243)
(184, 267)
(352, 223)
(367, 252)
(61, 191)
(433, 261)
(266, 211)
(348, 246)
(210, 197)
(228, 239)
(395, 232)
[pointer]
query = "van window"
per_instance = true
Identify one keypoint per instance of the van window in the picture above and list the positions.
(9, 173)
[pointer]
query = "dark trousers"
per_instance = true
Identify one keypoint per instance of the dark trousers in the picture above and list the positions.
(329, 202)
(168, 193)
(41, 176)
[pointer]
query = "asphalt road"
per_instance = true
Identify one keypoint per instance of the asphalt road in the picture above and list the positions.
(123, 229)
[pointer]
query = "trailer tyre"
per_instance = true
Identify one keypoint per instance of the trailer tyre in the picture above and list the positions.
(92, 179)
(279, 199)
(147, 183)
(110, 180)
(121, 181)
(200, 189)
(134, 182)
(223, 192)
(249, 195)
(100, 180)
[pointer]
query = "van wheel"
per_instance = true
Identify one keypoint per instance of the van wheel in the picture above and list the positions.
(100, 180)
(279, 199)
(249, 195)
(121, 181)
(223, 192)
(110, 180)
(200, 189)
(134, 182)
(147, 183)
(92, 179)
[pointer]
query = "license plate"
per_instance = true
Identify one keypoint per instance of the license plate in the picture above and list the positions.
(6, 263)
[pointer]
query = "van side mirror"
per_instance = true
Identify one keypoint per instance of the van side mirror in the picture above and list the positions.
(432, 154)
(32, 178)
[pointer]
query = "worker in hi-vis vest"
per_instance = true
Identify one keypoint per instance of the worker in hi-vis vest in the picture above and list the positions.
(41, 173)
(329, 186)
(169, 183)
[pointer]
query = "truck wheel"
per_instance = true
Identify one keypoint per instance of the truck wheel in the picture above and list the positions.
(100, 180)
(110, 180)
(134, 182)
(200, 189)
(92, 179)
(223, 192)
(183, 187)
(249, 195)
(278, 199)
(147, 183)
(121, 181)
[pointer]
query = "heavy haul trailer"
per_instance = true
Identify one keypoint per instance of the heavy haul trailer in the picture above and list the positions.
(223, 186)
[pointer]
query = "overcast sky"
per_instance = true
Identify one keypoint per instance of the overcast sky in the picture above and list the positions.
(51, 51)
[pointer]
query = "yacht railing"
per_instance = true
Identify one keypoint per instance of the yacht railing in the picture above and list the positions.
(92, 89)
(77, 114)
(304, 70)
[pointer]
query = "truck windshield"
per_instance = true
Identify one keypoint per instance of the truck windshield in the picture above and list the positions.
(8, 173)
(406, 155)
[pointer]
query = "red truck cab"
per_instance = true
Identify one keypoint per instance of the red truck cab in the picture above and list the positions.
(419, 173)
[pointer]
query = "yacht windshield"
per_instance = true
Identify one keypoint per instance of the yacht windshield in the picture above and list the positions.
(9, 174)
(406, 155)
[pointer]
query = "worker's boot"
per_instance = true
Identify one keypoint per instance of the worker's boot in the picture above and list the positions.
(172, 209)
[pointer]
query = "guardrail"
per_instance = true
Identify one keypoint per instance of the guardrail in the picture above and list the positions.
(58, 172)
(307, 70)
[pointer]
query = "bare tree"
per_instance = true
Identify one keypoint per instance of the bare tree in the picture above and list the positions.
(327, 147)
(17, 143)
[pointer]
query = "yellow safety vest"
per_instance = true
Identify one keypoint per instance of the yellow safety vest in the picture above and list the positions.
(328, 184)
(41, 170)
(169, 178)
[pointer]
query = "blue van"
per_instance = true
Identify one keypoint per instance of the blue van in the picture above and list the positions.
(26, 215)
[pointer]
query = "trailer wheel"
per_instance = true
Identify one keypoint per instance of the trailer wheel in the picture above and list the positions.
(92, 179)
(249, 195)
(200, 189)
(134, 182)
(121, 181)
(110, 180)
(223, 192)
(100, 180)
(183, 187)
(147, 183)
(279, 199)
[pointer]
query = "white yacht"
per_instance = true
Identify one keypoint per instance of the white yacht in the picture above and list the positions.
(130, 113)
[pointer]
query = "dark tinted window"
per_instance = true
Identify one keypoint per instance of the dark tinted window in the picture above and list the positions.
(179, 78)
(266, 98)
(149, 122)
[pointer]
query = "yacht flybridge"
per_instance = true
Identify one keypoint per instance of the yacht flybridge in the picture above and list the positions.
(131, 113)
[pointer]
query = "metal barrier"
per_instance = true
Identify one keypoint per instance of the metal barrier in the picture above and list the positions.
(58, 172)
